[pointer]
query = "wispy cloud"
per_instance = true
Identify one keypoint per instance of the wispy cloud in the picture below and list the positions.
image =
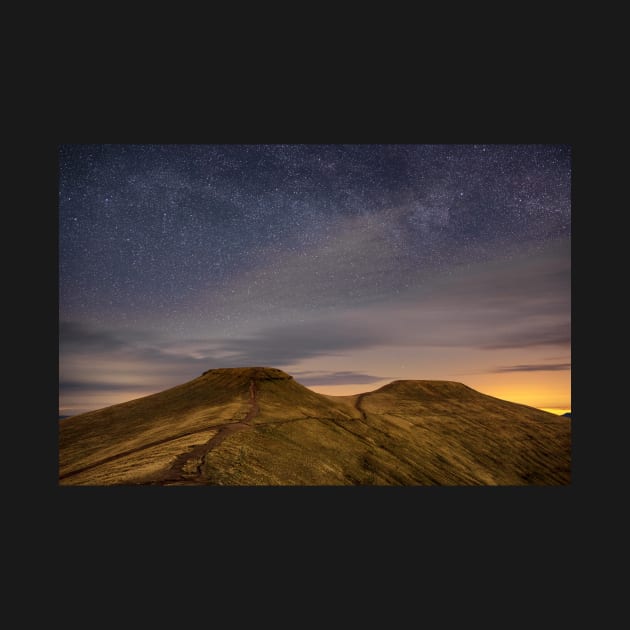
(337, 378)
(541, 367)
(527, 337)
(99, 386)
(288, 344)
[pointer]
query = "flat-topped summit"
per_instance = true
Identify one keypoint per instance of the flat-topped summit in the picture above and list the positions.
(435, 388)
(256, 373)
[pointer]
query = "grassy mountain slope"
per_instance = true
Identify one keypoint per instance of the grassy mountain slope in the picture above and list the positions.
(257, 426)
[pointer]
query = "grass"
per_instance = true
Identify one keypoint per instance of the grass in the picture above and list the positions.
(405, 433)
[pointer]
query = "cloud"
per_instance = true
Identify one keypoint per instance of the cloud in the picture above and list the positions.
(546, 335)
(76, 340)
(99, 365)
(100, 386)
(286, 345)
(76, 336)
(337, 378)
(541, 367)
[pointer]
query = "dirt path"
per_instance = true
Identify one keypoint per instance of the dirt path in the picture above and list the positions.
(176, 473)
(358, 406)
(113, 458)
(343, 426)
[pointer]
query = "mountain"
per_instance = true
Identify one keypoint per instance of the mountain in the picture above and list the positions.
(258, 426)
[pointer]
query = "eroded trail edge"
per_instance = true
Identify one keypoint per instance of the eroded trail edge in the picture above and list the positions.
(176, 473)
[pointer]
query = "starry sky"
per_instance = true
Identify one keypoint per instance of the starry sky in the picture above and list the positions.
(347, 266)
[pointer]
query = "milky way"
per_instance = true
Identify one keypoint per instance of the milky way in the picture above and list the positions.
(175, 258)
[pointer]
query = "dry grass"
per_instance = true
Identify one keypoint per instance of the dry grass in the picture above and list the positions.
(406, 433)
(139, 466)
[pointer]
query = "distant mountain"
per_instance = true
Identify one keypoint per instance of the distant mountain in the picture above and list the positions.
(567, 414)
(258, 426)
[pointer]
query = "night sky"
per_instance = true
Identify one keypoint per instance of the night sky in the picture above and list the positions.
(347, 266)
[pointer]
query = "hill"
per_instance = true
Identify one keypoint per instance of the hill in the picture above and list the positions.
(258, 426)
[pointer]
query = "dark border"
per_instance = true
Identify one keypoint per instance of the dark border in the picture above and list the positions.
(428, 518)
